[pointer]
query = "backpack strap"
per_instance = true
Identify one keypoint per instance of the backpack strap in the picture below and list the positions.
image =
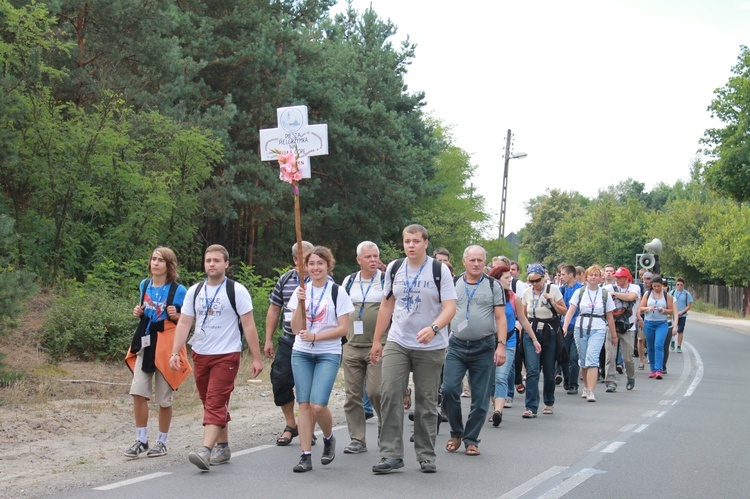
(233, 302)
(437, 276)
(394, 268)
(349, 280)
(170, 298)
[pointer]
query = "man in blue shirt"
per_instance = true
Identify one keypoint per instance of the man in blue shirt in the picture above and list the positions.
(571, 371)
(683, 300)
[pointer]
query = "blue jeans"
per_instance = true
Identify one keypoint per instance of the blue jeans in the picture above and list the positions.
(656, 336)
(512, 374)
(478, 358)
(534, 362)
(504, 374)
(314, 375)
(570, 374)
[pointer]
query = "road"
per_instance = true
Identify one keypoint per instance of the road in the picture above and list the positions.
(687, 435)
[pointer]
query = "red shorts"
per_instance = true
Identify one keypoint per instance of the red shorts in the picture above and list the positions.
(214, 377)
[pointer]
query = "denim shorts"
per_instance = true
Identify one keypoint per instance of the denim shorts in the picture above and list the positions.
(314, 375)
(589, 346)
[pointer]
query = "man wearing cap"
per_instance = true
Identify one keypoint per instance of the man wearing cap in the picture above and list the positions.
(625, 295)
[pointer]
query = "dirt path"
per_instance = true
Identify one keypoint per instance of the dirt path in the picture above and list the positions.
(58, 435)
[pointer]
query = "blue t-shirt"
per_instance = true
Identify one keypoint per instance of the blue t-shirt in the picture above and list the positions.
(510, 316)
(682, 298)
(155, 300)
(568, 292)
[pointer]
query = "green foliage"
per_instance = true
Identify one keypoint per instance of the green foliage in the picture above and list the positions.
(89, 323)
(729, 170)
(260, 291)
(8, 376)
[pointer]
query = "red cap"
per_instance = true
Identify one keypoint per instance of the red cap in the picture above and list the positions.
(624, 272)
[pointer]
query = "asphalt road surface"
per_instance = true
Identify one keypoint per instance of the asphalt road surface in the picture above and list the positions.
(687, 435)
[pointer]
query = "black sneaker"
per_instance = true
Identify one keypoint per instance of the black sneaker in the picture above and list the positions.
(558, 379)
(158, 450)
(329, 450)
(619, 368)
(369, 415)
(631, 384)
(136, 449)
(304, 464)
(387, 465)
(427, 466)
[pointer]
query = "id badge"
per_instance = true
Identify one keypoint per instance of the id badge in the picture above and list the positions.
(196, 336)
(145, 341)
(287, 316)
(401, 316)
(359, 327)
(462, 325)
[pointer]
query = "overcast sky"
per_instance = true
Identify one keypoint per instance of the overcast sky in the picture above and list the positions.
(595, 91)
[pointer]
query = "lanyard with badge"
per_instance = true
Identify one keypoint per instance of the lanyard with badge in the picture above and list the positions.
(315, 306)
(469, 297)
(359, 327)
(209, 308)
(409, 287)
(146, 338)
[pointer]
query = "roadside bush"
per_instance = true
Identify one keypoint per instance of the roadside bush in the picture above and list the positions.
(260, 290)
(89, 323)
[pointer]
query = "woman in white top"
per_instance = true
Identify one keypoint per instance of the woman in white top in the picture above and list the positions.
(657, 307)
(320, 317)
(591, 330)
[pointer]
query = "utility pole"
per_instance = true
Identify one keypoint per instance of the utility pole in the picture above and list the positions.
(505, 186)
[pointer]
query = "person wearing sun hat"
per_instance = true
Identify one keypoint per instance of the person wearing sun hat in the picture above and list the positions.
(543, 305)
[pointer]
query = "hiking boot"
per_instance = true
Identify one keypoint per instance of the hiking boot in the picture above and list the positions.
(387, 465)
(136, 449)
(329, 450)
(201, 458)
(355, 448)
(427, 466)
(158, 450)
(304, 464)
(220, 455)
(631, 384)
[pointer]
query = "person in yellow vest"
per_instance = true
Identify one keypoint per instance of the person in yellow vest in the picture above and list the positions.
(148, 356)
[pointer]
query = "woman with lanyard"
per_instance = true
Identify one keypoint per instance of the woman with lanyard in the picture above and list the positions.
(320, 317)
(513, 307)
(595, 315)
(542, 304)
(657, 307)
(149, 358)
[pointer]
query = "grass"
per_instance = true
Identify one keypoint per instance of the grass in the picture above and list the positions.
(707, 308)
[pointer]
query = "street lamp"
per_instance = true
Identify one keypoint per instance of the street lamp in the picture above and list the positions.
(508, 157)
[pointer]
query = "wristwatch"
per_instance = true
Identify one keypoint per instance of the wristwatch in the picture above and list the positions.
(435, 328)
(502, 342)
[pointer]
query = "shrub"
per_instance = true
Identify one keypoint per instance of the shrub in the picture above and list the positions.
(260, 290)
(89, 323)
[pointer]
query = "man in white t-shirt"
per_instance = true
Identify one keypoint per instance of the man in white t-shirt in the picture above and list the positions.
(217, 344)
(420, 313)
(625, 295)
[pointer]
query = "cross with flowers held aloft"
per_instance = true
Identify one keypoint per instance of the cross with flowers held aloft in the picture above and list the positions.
(292, 144)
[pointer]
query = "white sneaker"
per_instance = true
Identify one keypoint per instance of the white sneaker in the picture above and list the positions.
(508, 403)
(590, 397)
(585, 393)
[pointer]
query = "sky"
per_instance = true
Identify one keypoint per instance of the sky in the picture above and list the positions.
(594, 91)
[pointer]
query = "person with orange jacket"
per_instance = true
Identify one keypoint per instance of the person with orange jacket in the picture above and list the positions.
(149, 353)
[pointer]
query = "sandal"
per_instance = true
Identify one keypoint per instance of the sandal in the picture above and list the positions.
(497, 418)
(453, 444)
(282, 440)
(520, 388)
(407, 399)
(547, 409)
(528, 414)
(472, 450)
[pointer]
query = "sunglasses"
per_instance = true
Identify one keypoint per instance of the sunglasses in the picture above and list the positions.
(534, 281)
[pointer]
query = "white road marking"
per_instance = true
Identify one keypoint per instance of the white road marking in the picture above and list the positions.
(251, 450)
(665, 402)
(143, 478)
(627, 427)
(611, 448)
(661, 414)
(698, 374)
(649, 414)
(598, 446)
(640, 428)
(530, 484)
(571, 483)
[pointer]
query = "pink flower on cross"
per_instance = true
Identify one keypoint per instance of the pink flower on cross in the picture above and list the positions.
(288, 168)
